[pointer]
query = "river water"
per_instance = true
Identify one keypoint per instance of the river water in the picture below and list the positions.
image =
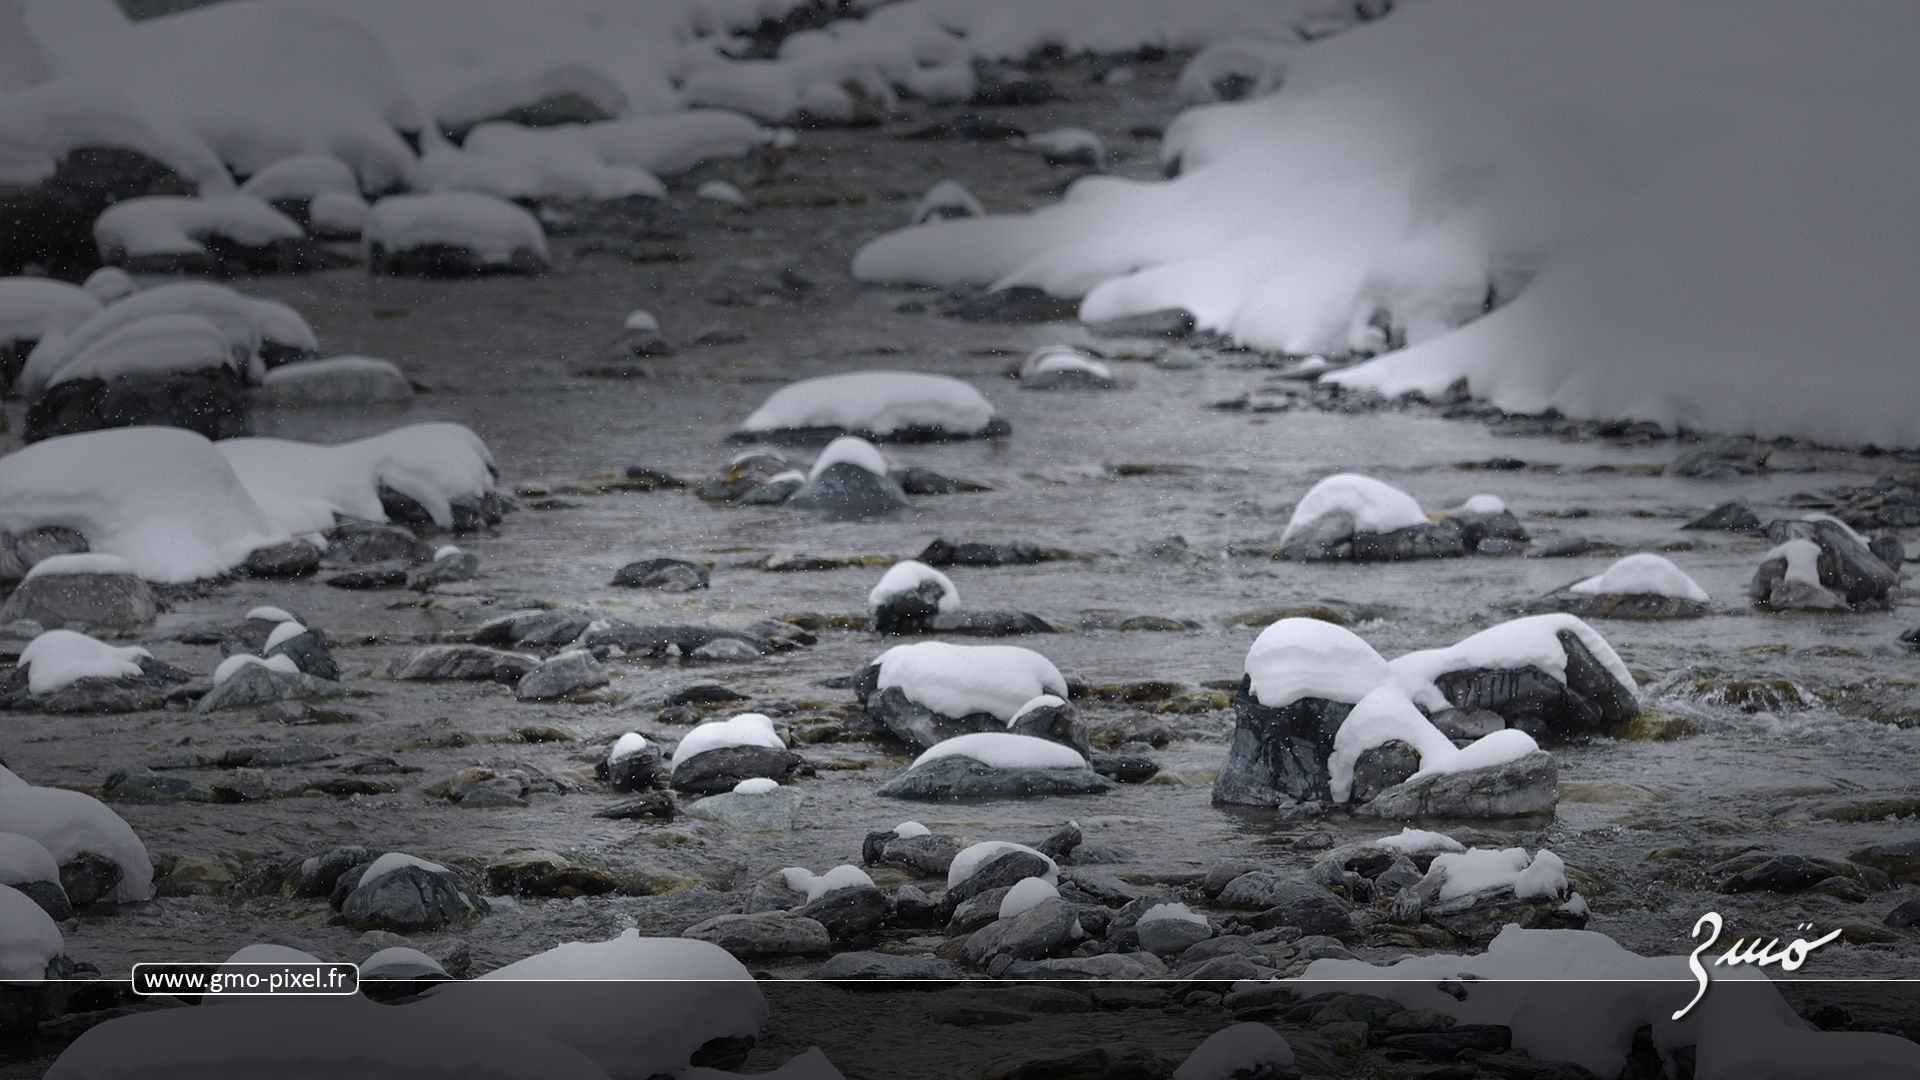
(1110, 475)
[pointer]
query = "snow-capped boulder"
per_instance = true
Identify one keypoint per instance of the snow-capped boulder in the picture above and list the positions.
(31, 309)
(631, 763)
(452, 234)
(435, 473)
(22, 552)
(1817, 561)
(66, 672)
(222, 234)
(97, 589)
(716, 756)
(109, 283)
(336, 215)
(908, 596)
(1053, 719)
(292, 183)
(1550, 675)
(1487, 527)
(1170, 929)
(946, 199)
(100, 857)
(1348, 516)
(159, 371)
(1247, 1049)
(1056, 367)
(26, 865)
(930, 691)
(881, 406)
(1501, 774)
(1068, 146)
(639, 338)
(403, 893)
(509, 161)
(1303, 677)
(558, 676)
(756, 805)
(849, 480)
(1643, 586)
(993, 763)
(339, 380)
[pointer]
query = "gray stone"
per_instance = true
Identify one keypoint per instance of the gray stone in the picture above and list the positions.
(909, 611)
(914, 909)
(742, 475)
(1329, 536)
(682, 640)
(1468, 724)
(564, 674)
(1722, 458)
(867, 965)
(1031, 935)
(493, 791)
(50, 897)
(844, 489)
(241, 785)
(1790, 594)
(1166, 937)
(1289, 901)
(956, 776)
(89, 877)
(102, 601)
(1735, 517)
(19, 554)
(1433, 540)
(1381, 767)
(657, 804)
(1278, 755)
(1124, 768)
(445, 570)
(849, 913)
(537, 872)
(1003, 870)
(141, 785)
(294, 558)
(364, 543)
(943, 552)
(931, 855)
(635, 771)
(989, 623)
(319, 873)
(1526, 786)
(1477, 529)
(391, 575)
(465, 662)
(1167, 322)
(412, 898)
(980, 909)
(721, 769)
(1905, 916)
(257, 684)
(727, 649)
(1899, 858)
(772, 493)
(1131, 967)
(308, 651)
(667, 575)
(769, 811)
(1056, 723)
(1479, 916)
(1591, 701)
(919, 726)
(1780, 874)
(532, 629)
(762, 934)
(772, 893)
(1059, 846)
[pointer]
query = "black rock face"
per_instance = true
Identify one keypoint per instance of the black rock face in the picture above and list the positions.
(1019, 304)
(212, 402)
(1279, 755)
(51, 223)
(723, 768)
(1434, 540)
(910, 611)
(309, 653)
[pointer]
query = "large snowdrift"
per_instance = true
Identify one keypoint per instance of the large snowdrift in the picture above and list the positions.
(1689, 215)
(67, 823)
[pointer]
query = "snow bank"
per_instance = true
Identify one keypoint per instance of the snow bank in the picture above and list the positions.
(396, 860)
(155, 345)
(492, 228)
(815, 886)
(1302, 658)
(1638, 574)
(28, 938)
(1242, 1049)
(32, 308)
(337, 214)
(905, 576)
(301, 486)
(853, 451)
(1028, 893)
(60, 658)
(176, 224)
(956, 680)
(875, 402)
(975, 856)
(1374, 506)
(1386, 714)
(67, 823)
(1519, 643)
(303, 176)
(338, 380)
(23, 859)
(747, 729)
(1005, 750)
(41, 124)
(164, 499)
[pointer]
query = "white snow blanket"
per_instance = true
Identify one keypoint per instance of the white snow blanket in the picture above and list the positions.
(1236, 1049)
(1531, 641)
(907, 575)
(1005, 750)
(177, 225)
(60, 658)
(1387, 714)
(302, 176)
(32, 308)
(492, 228)
(814, 886)
(881, 402)
(1302, 658)
(28, 938)
(67, 823)
(747, 729)
(956, 680)
(155, 345)
(301, 486)
(1642, 574)
(1669, 229)
(1375, 507)
(24, 859)
(338, 380)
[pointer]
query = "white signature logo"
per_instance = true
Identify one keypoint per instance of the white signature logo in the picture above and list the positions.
(1789, 958)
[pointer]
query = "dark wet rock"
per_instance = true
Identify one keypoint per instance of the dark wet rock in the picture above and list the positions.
(634, 771)
(1167, 323)
(450, 261)
(917, 481)
(1477, 529)
(1620, 605)
(1560, 547)
(636, 344)
(51, 222)
(1449, 1043)
(1890, 550)
(968, 126)
(774, 492)
(887, 966)
(1070, 379)
(656, 804)
(844, 488)
(257, 684)
(705, 694)
(295, 558)
(1288, 901)
(1433, 540)
(931, 855)
(155, 686)
(212, 402)
(1171, 936)
(944, 552)
(1734, 517)
(711, 772)
(464, 662)
(849, 913)
(448, 569)
(767, 811)
(1033, 934)
(741, 475)
(1381, 767)
(278, 755)
(909, 611)
(21, 552)
(1124, 768)
(963, 777)
(1329, 536)
(762, 934)
(377, 576)
(532, 629)
(1526, 786)
(1841, 888)
(308, 651)
(1059, 844)
(241, 785)
(567, 673)
(1779, 874)
(772, 893)
(919, 726)
(1591, 701)
(657, 641)
(1791, 594)
(667, 575)
(1722, 459)
(102, 601)
(1002, 871)
(1278, 755)
(1055, 723)
(976, 911)
(88, 877)
(1019, 304)
(537, 872)
(1904, 917)
(363, 543)
(25, 1006)
(411, 899)
(50, 897)
(1898, 858)
(1847, 567)
(989, 623)
(318, 874)
(492, 791)
(1467, 724)
(1479, 916)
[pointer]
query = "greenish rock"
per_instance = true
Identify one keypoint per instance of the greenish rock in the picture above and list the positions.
(257, 684)
(964, 777)
(769, 811)
(152, 786)
(412, 898)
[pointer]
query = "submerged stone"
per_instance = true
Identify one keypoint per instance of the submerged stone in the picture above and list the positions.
(768, 811)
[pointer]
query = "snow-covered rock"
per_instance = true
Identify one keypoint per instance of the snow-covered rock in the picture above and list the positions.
(452, 234)
(1358, 517)
(32, 308)
(1069, 146)
(155, 345)
(96, 589)
(975, 857)
(1544, 643)
(993, 764)
(1025, 894)
(338, 380)
(60, 658)
(1643, 573)
(1387, 715)
(1307, 658)
(109, 283)
(962, 680)
(908, 595)
(746, 729)
(301, 178)
(232, 665)
(1643, 586)
(136, 230)
(848, 480)
(899, 406)
(337, 215)
(443, 468)
(946, 199)
(1003, 750)
(29, 938)
(514, 162)
(814, 886)
(70, 824)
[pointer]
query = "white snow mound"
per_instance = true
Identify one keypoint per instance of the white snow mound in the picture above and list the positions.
(32, 308)
(303, 176)
(60, 658)
(28, 938)
(852, 450)
(1301, 658)
(492, 228)
(815, 886)
(905, 576)
(1005, 750)
(1027, 893)
(23, 859)
(955, 680)
(875, 402)
(758, 785)
(1643, 574)
(337, 380)
(1387, 714)
(155, 345)
(747, 729)
(1374, 506)
(177, 224)
(945, 199)
(302, 486)
(67, 823)
(232, 664)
